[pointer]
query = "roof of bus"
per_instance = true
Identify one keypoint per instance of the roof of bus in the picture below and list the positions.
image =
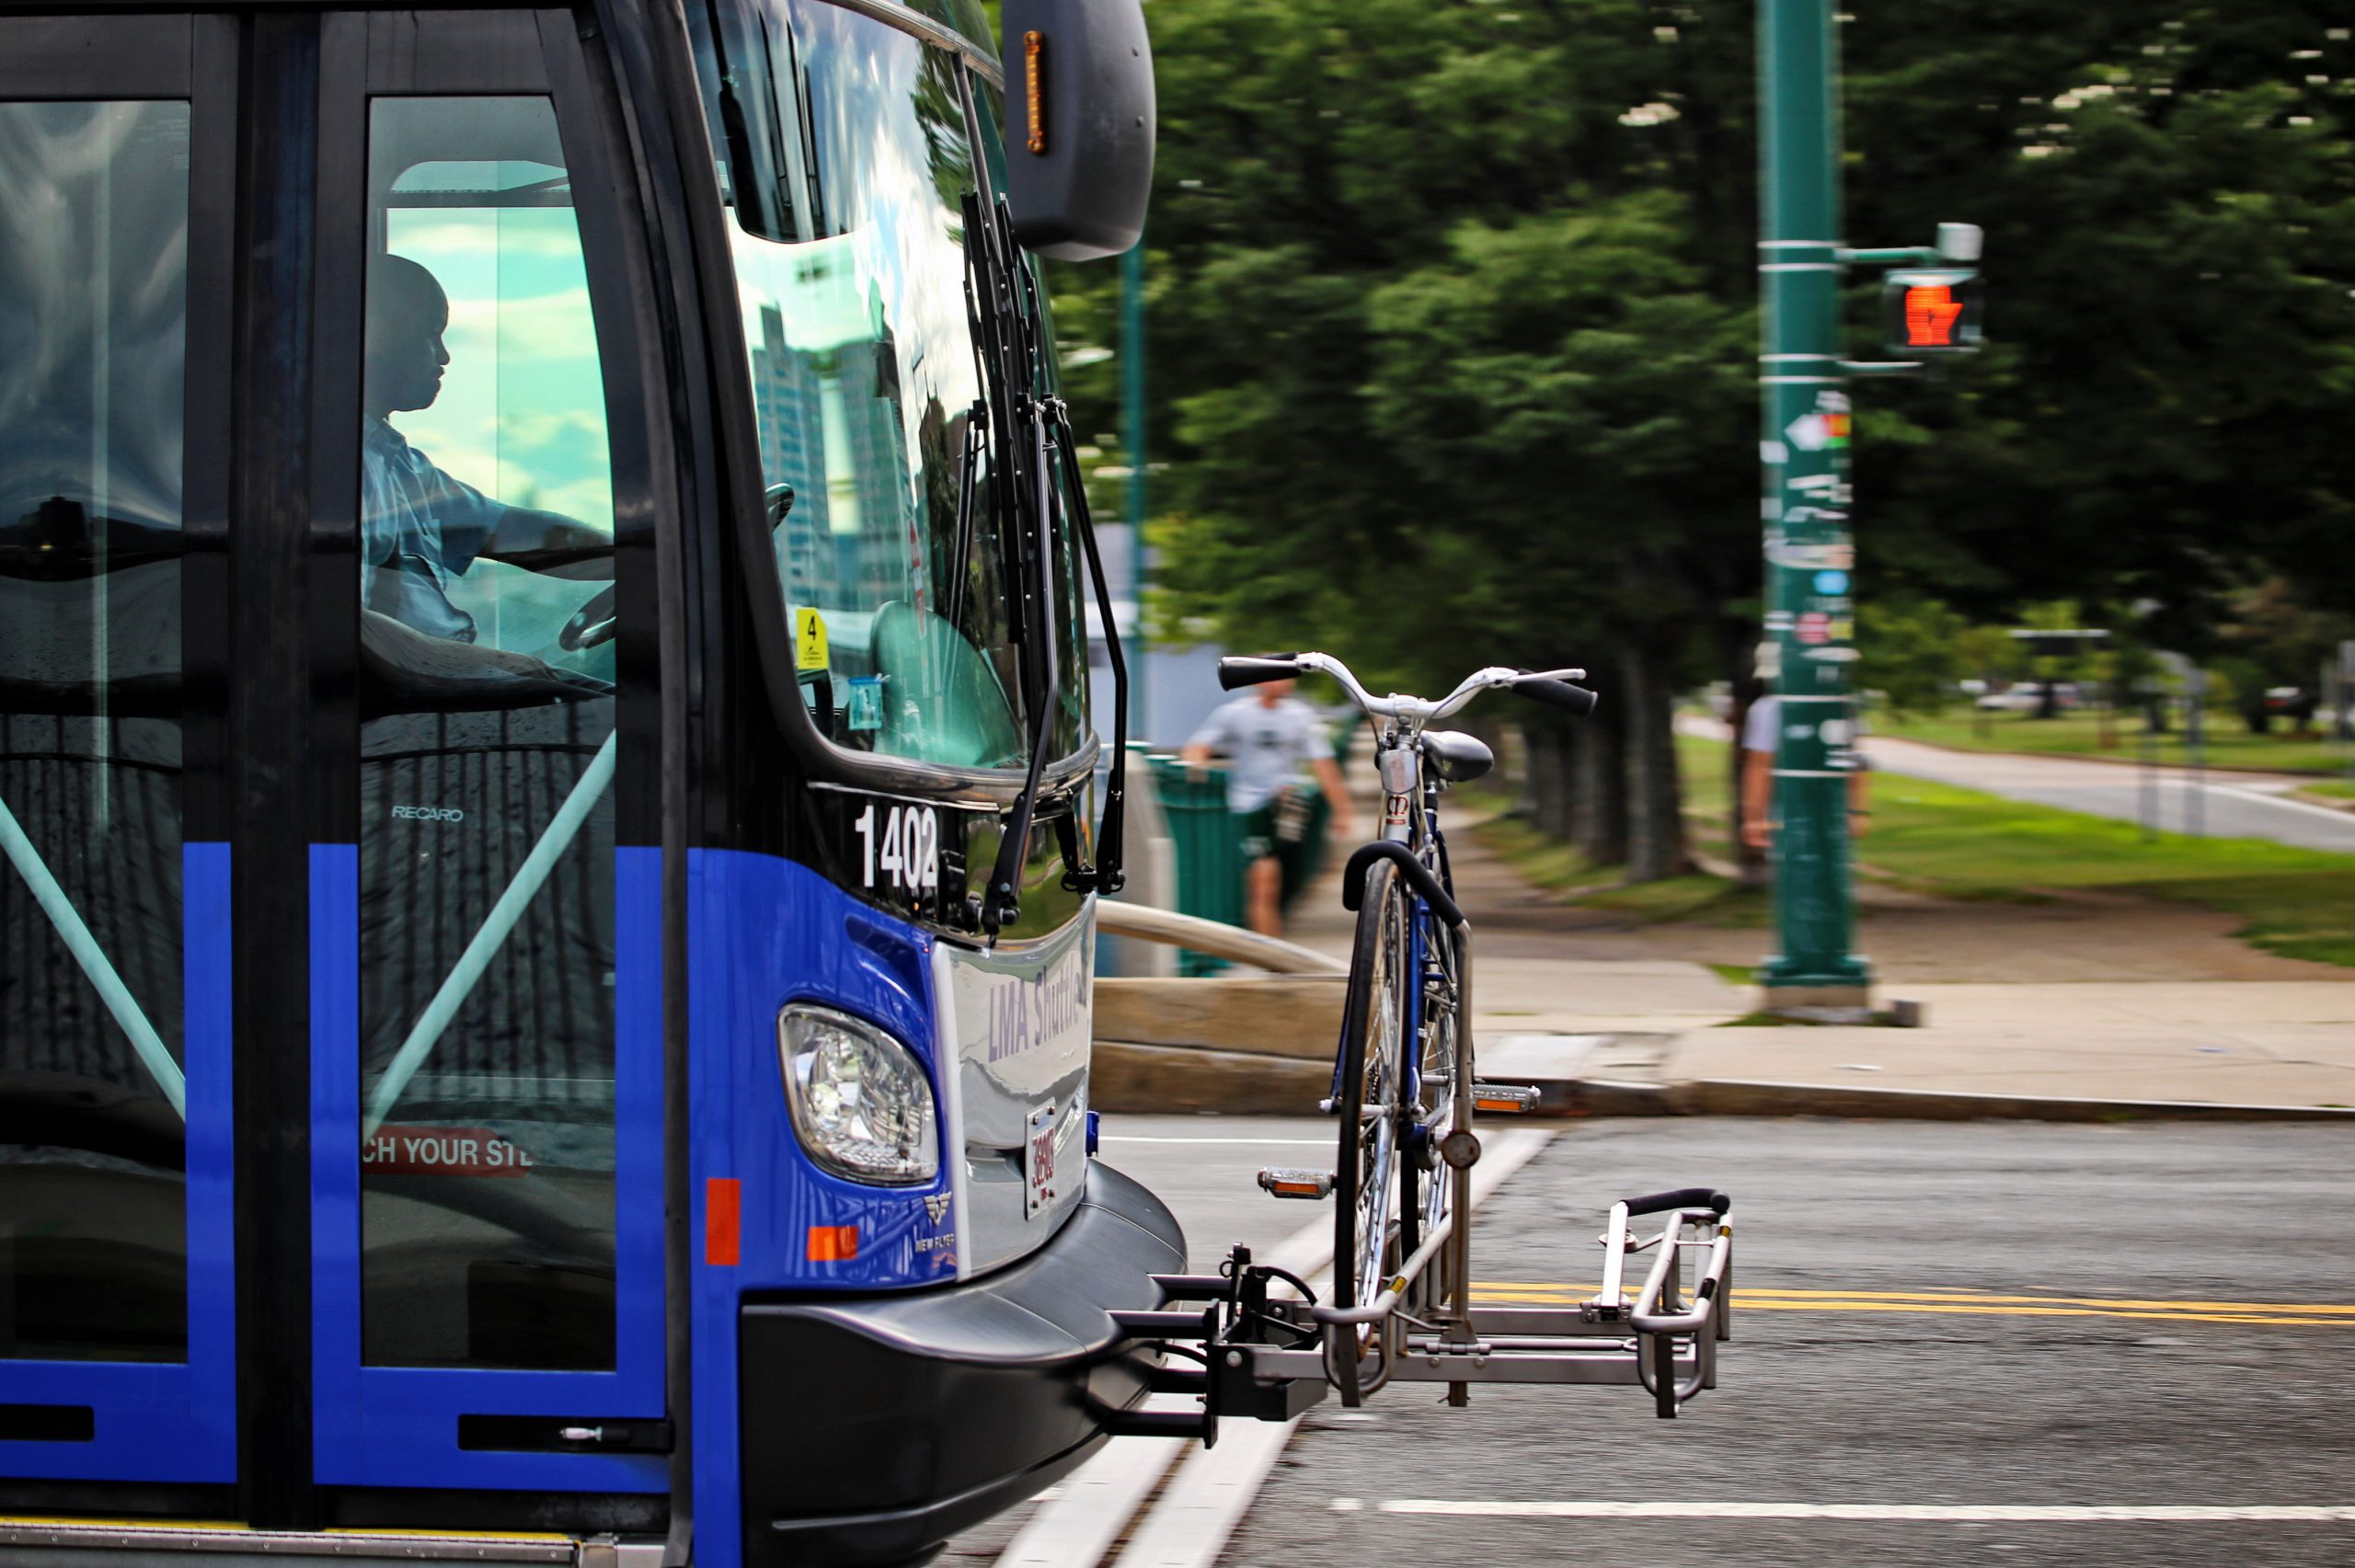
(965, 17)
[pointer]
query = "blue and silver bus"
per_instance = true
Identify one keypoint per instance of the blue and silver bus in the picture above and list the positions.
(546, 778)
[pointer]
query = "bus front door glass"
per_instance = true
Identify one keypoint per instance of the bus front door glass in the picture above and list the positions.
(92, 1224)
(113, 1057)
(486, 882)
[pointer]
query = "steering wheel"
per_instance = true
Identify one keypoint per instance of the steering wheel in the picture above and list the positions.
(590, 625)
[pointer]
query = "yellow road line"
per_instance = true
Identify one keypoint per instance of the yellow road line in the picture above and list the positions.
(1973, 1304)
(1752, 1292)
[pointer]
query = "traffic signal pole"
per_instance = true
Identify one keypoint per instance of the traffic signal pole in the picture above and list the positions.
(1809, 633)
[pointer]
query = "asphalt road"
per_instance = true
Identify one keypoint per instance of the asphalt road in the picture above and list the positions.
(2226, 805)
(1983, 1316)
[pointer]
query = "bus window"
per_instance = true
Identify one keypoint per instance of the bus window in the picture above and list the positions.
(486, 920)
(846, 157)
(94, 222)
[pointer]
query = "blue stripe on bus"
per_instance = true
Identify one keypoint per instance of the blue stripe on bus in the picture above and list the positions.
(398, 1425)
(761, 933)
(169, 1421)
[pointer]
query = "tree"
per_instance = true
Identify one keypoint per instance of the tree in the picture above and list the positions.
(1453, 332)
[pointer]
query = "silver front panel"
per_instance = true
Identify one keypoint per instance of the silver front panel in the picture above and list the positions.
(1015, 1023)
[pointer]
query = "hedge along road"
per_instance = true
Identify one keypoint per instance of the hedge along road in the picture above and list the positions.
(1953, 1343)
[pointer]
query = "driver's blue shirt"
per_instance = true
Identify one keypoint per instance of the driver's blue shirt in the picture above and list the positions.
(418, 528)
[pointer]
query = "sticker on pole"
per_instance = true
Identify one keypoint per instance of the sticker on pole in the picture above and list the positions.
(1816, 431)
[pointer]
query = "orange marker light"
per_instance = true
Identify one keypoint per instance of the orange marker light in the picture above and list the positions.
(723, 1222)
(834, 1244)
(1034, 49)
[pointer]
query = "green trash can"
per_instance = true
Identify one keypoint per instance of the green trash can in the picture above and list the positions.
(1207, 840)
(1208, 843)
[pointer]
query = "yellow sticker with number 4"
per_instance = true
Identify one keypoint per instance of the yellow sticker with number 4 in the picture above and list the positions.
(809, 640)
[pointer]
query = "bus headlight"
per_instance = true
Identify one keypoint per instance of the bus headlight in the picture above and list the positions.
(861, 1103)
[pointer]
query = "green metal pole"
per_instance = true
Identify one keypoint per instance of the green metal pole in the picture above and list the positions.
(1133, 385)
(1810, 556)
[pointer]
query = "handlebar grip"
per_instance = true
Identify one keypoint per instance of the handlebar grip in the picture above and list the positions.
(1683, 1197)
(1575, 700)
(1238, 670)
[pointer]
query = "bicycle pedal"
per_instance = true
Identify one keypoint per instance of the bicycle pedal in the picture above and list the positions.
(1503, 1098)
(1306, 1185)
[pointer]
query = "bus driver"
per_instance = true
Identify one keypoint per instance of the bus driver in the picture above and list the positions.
(419, 526)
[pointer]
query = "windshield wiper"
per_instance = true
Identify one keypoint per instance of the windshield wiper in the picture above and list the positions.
(1032, 436)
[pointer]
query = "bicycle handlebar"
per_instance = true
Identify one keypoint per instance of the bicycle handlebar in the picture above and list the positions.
(1549, 686)
(1237, 671)
(1683, 1197)
(1576, 701)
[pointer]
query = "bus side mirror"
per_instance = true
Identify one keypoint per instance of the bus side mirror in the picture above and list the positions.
(1080, 109)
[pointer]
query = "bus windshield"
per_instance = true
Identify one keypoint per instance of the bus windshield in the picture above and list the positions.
(845, 157)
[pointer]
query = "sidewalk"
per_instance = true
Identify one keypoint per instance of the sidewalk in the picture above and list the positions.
(1608, 1023)
(2048, 1052)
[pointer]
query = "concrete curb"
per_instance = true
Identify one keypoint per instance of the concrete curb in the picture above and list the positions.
(1740, 1097)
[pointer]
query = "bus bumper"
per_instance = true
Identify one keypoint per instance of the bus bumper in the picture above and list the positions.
(876, 1426)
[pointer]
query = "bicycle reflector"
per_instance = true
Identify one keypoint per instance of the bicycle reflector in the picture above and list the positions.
(1932, 312)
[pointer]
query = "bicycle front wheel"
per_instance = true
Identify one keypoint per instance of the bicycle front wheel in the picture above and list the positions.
(1366, 1176)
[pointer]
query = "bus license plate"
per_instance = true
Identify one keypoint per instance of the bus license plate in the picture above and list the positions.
(1038, 1162)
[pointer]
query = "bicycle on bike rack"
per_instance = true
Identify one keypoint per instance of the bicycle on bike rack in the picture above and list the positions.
(1404, 1097)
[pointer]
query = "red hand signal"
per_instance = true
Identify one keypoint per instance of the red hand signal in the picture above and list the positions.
(1930, 315)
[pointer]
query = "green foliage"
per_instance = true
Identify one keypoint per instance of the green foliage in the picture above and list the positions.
(1910, 651)
(2169, 198)
(1453, 293)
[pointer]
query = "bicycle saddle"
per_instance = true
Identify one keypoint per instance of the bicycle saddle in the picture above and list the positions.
(1456, 756)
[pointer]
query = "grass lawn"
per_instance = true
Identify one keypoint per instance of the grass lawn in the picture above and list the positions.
(2338, 789)
(2228, 742)
(1960, 843)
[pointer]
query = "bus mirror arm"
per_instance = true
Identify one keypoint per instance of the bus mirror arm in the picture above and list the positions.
(997, 292)
(1105, 875)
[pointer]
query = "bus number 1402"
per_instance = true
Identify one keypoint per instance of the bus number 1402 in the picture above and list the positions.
(904, 853)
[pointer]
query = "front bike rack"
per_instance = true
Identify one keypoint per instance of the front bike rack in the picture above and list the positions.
(1271, 1357)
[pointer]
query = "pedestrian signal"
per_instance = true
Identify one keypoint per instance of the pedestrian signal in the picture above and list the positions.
(1932, 312)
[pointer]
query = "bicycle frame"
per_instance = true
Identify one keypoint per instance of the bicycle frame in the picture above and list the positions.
(1269, 1358)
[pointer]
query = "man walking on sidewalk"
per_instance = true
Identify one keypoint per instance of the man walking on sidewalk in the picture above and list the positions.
(1268, 734)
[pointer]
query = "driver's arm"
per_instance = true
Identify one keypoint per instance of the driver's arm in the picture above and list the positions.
(549, 542)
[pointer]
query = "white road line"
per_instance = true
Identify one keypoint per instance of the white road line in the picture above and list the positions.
(1212, 1490)
(2341, 817)
(1077, 1528)
(1287, 1142)
(1084, 1516)
(1929, 1513)
(1188, 1526)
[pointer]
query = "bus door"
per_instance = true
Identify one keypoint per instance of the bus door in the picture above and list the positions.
(331, 965)
(117, 1334)
(485, 954)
